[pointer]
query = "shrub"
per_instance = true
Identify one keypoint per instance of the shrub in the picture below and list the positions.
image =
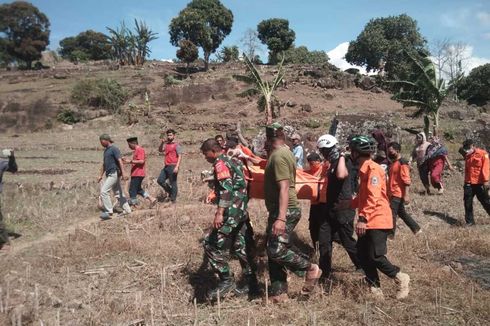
(171, 80)
(100, 93)
(68, 117)
(301, 55)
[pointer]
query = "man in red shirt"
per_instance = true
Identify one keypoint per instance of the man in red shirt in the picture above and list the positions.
(173, 156)
(375, 220)
(138, 172)
(476, 179)
(398, 187)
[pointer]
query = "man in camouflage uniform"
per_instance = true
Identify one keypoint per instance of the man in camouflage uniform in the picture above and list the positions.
(284, 214)
(230, 225)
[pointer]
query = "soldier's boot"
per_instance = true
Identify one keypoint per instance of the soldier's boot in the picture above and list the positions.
(225, 286)
(249, 286)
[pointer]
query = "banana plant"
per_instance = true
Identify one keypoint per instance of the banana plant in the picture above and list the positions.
(260, 86)
(424, 90)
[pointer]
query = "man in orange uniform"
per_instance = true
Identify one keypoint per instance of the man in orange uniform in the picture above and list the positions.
(375, 220)
(398, 187)
(476, 179)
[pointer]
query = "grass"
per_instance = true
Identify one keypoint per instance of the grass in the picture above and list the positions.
(149, 266)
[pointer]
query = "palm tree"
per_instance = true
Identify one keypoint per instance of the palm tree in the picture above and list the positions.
(260, 86)
(144, 35)
(424, 90)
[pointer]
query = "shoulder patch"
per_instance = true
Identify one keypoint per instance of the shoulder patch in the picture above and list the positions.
(222, 171)
(374, 180)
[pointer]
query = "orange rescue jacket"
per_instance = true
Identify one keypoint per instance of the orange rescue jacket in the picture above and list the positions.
(477, 167)
(372, 199)
(399, 178)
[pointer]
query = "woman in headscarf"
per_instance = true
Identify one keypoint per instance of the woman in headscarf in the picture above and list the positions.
(436, 158)
(418, 154)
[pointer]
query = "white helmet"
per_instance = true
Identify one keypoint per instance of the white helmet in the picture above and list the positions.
(326, 141)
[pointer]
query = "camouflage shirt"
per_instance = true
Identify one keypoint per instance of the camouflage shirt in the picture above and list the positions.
(229, 183)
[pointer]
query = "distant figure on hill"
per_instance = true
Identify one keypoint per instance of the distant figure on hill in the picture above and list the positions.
(138, 173)
(113, 170)
(476, 179)
(173, 158)
(298, 151)
(9, 165)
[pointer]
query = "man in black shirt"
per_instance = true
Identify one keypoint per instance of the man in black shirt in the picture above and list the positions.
(339, 192)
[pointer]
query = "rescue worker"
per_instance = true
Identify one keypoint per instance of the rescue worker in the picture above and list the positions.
(336, 219)
(229, 218)
(398, 188)
(316, 168)
(284, 214)
(375, 219)
(9, 165)
(476, 179)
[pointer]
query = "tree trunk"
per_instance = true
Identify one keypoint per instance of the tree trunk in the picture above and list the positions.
(426, 125)
(436, 123)
(187, 70)
(240, 136)
(268, 110)
(206, 60)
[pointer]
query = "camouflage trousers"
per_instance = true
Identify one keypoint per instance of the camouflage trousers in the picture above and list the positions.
(283, 254)
(4, 237)
(234, 239)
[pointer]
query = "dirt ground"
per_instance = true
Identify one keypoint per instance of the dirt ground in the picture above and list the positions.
(70, 268)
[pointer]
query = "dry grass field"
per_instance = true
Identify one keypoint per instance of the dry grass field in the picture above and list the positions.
(70, 268)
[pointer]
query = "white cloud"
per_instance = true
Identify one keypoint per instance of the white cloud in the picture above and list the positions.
(473, 61)
(337, 57)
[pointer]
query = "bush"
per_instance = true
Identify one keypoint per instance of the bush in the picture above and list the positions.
(100, 93)
(68, 117)
(171, 80)
(476, 87)
(301, 55)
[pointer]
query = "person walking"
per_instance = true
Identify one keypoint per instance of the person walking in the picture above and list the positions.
(336, 219)
(228, 233)
(284, 214)
(318, 169)
(173, 158)
(113, 170)
(375, 219)
(9, 165)
(398, 188)
(138, 173)
(476, 179)
(418, 154)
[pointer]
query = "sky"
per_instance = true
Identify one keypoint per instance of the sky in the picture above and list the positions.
(319, 24)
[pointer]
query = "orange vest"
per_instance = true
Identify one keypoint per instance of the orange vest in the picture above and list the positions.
(372, 199)
(477, 167)
(399, 178)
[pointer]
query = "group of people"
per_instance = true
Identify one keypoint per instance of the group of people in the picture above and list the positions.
(354, 181)
(114, 172)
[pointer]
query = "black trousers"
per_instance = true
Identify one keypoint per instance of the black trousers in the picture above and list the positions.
(371, 249)
(135, 188)
(342, 224)
(481, 193)
(315, 220)
(398, 209)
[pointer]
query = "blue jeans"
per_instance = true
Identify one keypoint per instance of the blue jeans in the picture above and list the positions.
(168, 181)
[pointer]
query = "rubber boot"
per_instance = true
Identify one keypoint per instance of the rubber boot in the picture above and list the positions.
(249, 286)
(225, 286)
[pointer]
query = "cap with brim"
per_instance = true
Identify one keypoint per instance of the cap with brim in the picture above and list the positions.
(132, 140)
(467, 144)
(106, 137)
(272, 129)
(296, 136)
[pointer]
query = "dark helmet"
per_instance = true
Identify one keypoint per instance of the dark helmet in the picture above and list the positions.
(362, 144)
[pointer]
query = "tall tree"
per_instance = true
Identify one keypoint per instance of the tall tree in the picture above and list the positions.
(89, 44)
(476, 87)
(251, 44)
(24, 32)
(205, 23)
(384, 42)
(277, 35)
